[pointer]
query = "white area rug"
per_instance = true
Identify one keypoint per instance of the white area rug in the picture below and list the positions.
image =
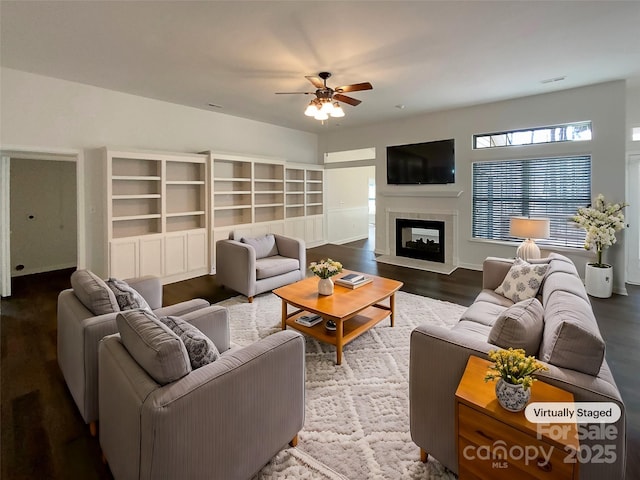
(357, 414)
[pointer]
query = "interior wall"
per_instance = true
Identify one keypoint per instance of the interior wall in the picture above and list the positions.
(347, 192)
(603, 104)
(41, 113)
(43, 215)
(44, 111)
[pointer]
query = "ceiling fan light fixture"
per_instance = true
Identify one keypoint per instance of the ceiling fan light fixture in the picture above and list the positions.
(311, 110)
(337, 111)
(321, 115)
(327, 107)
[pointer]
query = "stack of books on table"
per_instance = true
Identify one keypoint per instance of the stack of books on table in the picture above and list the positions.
(353, 280)
(309, 320)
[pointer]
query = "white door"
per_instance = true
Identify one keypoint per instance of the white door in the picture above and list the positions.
(632, 218)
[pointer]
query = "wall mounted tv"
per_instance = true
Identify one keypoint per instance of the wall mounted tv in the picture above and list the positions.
(421, 163)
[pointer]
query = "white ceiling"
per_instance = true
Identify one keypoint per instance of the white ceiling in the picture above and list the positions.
(425, 55)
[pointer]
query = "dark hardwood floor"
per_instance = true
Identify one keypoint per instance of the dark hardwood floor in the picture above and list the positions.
(44, 437)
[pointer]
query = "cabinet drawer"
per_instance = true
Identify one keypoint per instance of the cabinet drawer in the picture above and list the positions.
(507, 449)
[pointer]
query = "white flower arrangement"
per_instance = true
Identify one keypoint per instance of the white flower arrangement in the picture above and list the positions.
(601, 222)
(325, 268)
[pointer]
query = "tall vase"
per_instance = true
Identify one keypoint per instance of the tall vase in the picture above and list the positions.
(598, 280)
(512, 397)
(325, 286)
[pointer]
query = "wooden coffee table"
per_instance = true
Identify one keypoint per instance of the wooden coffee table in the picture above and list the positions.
(354, 311)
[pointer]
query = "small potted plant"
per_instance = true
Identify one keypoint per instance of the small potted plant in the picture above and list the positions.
(515, 373)
(601, 222)
(325, 269)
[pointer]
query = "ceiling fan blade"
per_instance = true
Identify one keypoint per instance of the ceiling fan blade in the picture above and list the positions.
(345, 99)
(354, 88)
(295, 93)
(317, 82)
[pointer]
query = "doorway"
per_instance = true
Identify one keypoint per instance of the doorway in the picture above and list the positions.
(41, 212)
(632, 217)
(349, 198)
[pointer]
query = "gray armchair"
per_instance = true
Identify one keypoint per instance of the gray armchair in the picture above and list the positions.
(86, 313)
(224, 420)
(252, 266)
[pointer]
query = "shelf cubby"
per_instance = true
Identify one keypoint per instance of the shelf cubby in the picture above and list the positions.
(185, 198)
(132, 227)
(135, 206)
(185, 172)
(187, 221)
(226, 217)
(135, 167)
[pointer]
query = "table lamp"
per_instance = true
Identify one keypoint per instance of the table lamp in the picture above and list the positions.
(528, 228)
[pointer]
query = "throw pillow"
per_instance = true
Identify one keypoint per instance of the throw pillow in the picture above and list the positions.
(520, 326)
(153, 345)
(522, 281)
(93, 293)
(126, 296)
(264, 246)
(200, 348)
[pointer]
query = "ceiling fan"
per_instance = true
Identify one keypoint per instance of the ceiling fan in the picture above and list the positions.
(327, 98)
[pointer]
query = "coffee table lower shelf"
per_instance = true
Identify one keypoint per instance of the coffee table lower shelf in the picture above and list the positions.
(351, 328)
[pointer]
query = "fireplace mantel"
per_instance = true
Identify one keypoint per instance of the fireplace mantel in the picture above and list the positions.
(422, 193)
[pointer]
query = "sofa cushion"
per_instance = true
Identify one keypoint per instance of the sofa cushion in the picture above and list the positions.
(519, 326)
(127, 296)
(475, 329)
(93, 292)
(264, 246)
(200, 348)
(484, 313)
(522, 281)
(571, 337)
(271, 266)
(152, 344)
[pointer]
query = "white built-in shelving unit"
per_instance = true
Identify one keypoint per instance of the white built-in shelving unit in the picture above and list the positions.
(253, 196)
(164, 212)
(156, 214)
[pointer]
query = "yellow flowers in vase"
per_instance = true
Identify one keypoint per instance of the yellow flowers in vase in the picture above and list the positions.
(514, 367)
(515, 374)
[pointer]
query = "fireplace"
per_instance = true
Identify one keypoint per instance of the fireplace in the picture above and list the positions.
(421, 239)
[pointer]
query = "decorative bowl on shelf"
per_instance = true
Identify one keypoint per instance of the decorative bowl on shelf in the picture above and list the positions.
(330, 326)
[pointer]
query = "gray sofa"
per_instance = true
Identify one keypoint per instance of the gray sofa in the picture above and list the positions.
(569, 343)
(86, 313)
(255, 265)
(221, 420)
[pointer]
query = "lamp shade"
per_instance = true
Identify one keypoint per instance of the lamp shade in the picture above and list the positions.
(523, 227)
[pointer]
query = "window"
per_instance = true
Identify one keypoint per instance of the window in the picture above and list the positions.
(544, 187)
(570, 132)
(635, 134)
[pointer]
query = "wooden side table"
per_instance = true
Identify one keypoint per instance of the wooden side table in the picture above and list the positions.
(494, 444)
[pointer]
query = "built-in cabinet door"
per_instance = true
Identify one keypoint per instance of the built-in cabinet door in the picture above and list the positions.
(175, 254)
(151, 256)
(123, 258)
(197, 250)
(314, 229)
(296, 228)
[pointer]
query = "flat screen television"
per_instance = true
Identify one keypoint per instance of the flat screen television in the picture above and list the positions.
(421, 163)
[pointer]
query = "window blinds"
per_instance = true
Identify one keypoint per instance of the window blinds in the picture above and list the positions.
(546, 187)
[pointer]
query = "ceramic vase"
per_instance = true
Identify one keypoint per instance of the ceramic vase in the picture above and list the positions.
(598, 281)
(325, 286)
(512, 397)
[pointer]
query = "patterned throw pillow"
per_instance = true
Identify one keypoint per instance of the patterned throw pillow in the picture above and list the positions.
(522, 281)
(126, 296)
(200, 348)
